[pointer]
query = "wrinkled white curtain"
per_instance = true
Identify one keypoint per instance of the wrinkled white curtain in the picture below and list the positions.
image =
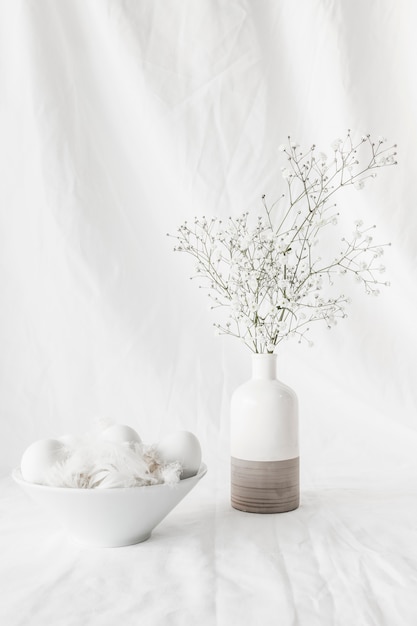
(121, 119)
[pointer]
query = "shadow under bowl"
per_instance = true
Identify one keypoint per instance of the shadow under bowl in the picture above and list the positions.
(110, 518)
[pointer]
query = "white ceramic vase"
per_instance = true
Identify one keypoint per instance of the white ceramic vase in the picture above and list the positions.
(264, 442)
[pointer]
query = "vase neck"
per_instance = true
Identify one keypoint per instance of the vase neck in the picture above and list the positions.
(264, 366)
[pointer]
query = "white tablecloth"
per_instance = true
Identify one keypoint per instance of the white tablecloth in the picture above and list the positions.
(347, 556)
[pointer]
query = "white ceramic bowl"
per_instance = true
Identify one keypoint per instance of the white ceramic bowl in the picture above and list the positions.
(110, 517)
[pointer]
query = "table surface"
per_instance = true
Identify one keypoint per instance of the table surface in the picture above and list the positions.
(347, 556)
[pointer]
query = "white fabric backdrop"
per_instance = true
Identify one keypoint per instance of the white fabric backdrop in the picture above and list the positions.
(118, 121)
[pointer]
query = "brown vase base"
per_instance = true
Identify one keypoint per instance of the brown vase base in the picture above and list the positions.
(265, 486)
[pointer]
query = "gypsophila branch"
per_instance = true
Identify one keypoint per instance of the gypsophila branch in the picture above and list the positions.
(265, 272)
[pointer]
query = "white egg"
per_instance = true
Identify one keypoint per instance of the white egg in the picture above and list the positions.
(39, 457)
(119, 433)
(184, 447)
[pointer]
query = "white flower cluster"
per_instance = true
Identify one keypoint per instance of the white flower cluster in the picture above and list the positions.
(266, 272)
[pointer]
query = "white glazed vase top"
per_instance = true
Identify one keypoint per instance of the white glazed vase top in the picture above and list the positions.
(264, 442)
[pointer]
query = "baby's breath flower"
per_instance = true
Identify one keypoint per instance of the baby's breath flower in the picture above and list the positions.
(268, 272)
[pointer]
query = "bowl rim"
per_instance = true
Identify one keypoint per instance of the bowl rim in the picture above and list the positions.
(18, 478)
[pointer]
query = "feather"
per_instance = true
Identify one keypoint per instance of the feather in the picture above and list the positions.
(92, 463)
